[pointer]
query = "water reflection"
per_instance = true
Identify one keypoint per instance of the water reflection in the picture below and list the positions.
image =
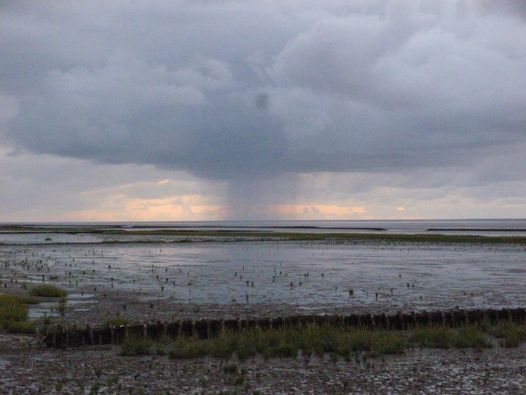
(298, 274)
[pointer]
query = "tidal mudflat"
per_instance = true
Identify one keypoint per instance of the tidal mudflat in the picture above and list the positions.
(170, 275)
(318, 276)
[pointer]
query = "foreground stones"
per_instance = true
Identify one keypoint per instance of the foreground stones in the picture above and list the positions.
(27, 367)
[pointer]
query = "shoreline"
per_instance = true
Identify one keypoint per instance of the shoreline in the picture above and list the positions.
(228, 236)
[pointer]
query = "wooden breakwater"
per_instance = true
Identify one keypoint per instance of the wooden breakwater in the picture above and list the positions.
(62, 336)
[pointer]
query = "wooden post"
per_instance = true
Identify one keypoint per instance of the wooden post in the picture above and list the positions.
(91, 337)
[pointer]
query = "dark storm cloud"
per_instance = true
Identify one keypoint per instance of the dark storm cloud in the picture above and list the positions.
(248, 90)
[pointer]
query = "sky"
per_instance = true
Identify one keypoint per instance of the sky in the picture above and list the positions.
(133, 110)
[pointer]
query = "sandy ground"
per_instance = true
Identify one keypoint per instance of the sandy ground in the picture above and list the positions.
(145, 308)
(28, 367)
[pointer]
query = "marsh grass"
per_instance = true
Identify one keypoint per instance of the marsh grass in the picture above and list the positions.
(13, 315)
(26, 299)
(309, 236)
(326, 339)
(12, 308)
(444, 337)
(138, 345)
(509, 333)
(135, 345)
(227, 235)
(48, 290)
(279, 234)
(116, 321)
(62, 306)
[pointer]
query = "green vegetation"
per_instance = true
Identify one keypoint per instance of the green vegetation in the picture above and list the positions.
(12, 308)
(279, 234)
(62, 306)
(13, 315)
(326, 339)
(444, 337)
(136, 345)
(116, 321)
(509, 333)
(48, 290)
(297, 236)
(26, 299)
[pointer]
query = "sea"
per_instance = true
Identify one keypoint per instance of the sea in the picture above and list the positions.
(309, 276)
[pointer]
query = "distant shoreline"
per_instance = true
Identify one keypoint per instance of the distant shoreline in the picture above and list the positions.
(237, 235)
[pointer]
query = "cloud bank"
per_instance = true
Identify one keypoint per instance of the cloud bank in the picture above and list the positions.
(246, 92)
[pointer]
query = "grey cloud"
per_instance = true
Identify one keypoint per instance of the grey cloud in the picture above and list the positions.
(49, 188)
(513, 7)
(252, 90)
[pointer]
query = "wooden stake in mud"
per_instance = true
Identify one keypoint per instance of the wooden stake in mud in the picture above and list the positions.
(91, 337)
(66, 336)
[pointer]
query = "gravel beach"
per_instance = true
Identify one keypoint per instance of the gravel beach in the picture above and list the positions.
(26, 367)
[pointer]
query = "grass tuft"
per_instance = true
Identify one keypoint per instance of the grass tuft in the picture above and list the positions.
(444, 337)
(116, 321)
(183, 349)
(12, 309)
(48, 290)
(139, 345)
(326, 339)
(509, 333)
(135, 345)
(311, 339)
(13, 315)
(26, 299)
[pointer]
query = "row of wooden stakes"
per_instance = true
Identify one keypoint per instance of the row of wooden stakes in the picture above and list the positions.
(62, 336)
